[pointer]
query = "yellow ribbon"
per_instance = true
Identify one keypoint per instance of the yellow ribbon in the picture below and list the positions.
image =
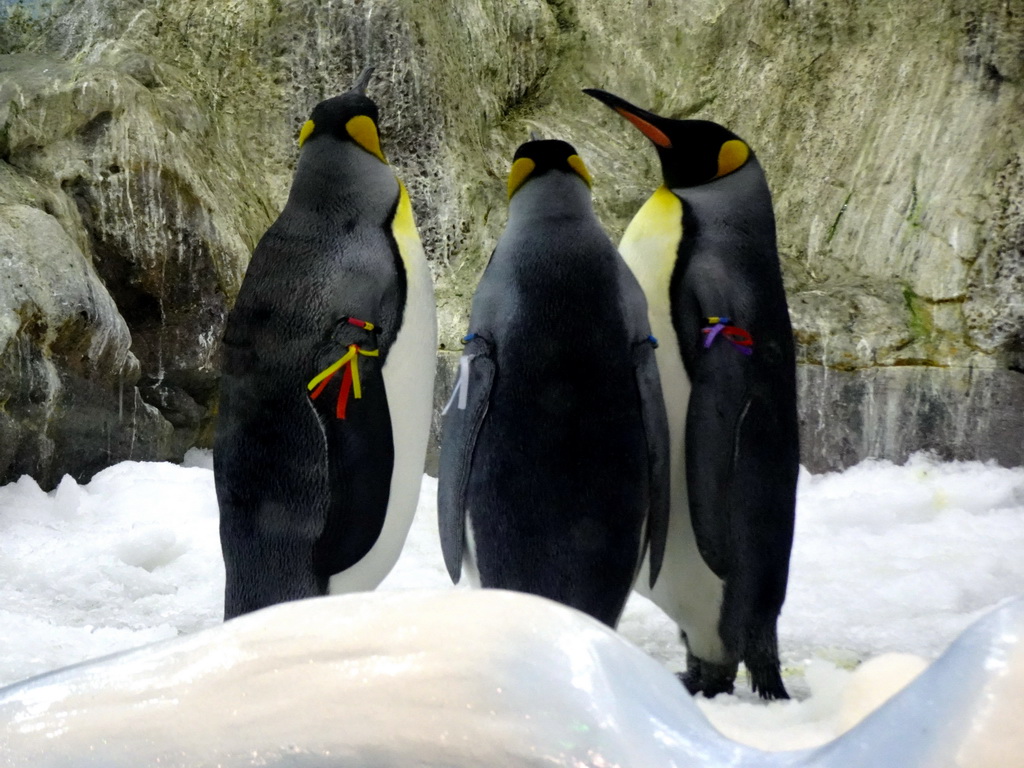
(352, 356)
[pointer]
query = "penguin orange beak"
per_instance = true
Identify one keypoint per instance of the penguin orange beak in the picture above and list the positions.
(643, 120)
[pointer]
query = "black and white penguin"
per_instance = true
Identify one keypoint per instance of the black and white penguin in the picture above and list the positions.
(703, 249)
(553, 468)
(328, 371)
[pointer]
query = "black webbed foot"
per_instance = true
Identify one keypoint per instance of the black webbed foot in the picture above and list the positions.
(707, 678)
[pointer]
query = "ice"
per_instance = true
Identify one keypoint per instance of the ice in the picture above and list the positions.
(461, 678)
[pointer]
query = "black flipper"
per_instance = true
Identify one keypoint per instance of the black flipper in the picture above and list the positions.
(741, 468)
(761, 501)
(267, 555)
(655, 421)
(460, 429)
(717, 400)
(360, 456)
(741, 478)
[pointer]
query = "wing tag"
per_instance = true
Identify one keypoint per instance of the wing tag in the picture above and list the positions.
(461, 388)
(739, 338)
(350, 383)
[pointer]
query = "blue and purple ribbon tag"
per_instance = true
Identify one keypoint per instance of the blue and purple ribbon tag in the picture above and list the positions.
(735, 335)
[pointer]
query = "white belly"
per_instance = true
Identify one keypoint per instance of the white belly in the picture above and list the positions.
(409, 383)
(687, 590)
(470, 572)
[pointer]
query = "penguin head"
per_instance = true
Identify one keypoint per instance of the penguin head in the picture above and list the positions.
(692, 152)
(539, 156)
(352, 116)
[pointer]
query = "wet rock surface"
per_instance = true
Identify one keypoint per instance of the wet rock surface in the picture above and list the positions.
(159, 140)
(891, 412)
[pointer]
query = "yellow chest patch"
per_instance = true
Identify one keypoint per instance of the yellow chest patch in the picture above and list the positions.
(403, 227)
(650, 246)
(419, 313)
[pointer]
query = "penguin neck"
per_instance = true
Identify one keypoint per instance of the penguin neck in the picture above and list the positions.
(736, 206)
(554, 195)
(341, 181)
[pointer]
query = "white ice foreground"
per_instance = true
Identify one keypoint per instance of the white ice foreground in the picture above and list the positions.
(461, 678)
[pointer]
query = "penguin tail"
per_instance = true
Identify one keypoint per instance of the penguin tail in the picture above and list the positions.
(748, 632)
(761, 658)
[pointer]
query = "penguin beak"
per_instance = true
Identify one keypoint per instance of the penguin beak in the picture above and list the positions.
(641, 119)
(363, 80)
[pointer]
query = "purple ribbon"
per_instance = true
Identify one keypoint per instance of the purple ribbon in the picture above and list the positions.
(712, 331)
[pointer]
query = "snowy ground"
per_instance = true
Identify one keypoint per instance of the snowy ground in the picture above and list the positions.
(886, 559)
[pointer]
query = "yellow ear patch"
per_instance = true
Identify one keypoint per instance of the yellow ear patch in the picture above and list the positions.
(307, 128)
(521, 170)
(731, 156)
(576, 163)
(364, 133)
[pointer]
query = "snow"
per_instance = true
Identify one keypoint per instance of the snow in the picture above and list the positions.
(890, 563)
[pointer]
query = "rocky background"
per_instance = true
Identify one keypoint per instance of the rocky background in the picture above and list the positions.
(145, 145)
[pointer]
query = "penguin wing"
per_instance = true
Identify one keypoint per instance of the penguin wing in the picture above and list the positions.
(463, 417)
(740, 467)
(655, 421)
(358, 450)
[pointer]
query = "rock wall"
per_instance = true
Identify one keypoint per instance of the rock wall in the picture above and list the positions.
(145, 145)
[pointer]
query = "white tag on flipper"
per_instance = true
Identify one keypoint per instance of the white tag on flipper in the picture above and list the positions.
(461, 387)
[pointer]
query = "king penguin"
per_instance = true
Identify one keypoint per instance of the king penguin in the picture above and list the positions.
(703, 248)
(554, 456)
(327, 381)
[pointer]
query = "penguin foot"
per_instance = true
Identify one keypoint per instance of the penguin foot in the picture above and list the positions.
(706, 677)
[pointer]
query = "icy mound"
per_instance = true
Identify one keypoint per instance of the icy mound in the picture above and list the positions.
(466, 678)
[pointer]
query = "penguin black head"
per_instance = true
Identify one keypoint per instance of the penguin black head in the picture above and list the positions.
(537, 157)
(352, 116)
(692, 152)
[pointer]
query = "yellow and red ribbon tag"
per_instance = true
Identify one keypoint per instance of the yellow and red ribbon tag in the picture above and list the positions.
(350, 378)
(366, 325)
